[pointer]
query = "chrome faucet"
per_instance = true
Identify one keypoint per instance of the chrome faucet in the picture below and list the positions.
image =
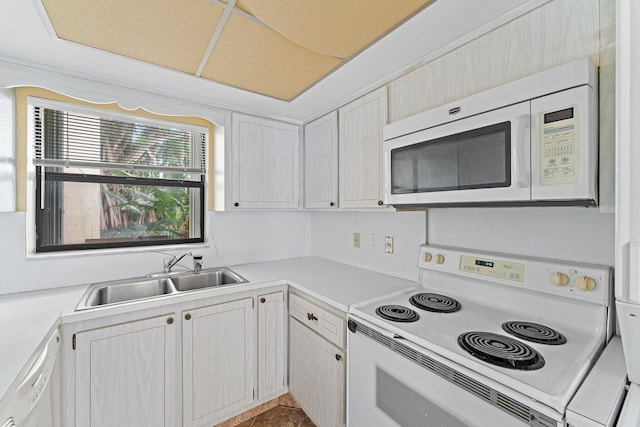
(169, 263)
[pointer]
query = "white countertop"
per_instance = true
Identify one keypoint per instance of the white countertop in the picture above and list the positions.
(599, 398)
(339, 285)
(26, 318)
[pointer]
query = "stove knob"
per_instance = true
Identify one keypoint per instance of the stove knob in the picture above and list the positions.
(585, 283)
(426, 257)
(439, 259)
(559, 279)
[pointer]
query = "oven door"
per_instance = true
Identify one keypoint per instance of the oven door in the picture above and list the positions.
(386, 388)
(479, 159)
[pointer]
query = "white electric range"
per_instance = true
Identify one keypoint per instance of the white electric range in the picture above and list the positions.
(483, 340)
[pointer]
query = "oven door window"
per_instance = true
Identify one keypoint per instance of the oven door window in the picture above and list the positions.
(480, 158)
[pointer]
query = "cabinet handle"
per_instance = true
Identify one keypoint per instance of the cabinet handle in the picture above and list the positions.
(170, 320)
(263, 300)
(338, 357)
(332, 204)
(311, 316)
(187, 316)
(236, 204)
(380, 203)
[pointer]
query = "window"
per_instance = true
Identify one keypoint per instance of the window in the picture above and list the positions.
(107, 180)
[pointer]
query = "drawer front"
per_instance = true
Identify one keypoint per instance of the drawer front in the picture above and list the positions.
(324, 322)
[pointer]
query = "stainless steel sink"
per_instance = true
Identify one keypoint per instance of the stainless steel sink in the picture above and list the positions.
(207, 279)
(121, 291)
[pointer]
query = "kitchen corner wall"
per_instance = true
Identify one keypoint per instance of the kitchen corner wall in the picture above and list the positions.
(332, 238)
(235, 238)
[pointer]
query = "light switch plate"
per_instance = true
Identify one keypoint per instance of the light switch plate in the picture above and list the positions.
(356, 240)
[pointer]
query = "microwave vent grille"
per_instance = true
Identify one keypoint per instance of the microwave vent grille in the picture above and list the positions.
(486, 393)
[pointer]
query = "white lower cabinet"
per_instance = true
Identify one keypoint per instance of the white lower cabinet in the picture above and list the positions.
(317, 375)
(125, 374)
(125, 369)
(217, 357)
(271, 344)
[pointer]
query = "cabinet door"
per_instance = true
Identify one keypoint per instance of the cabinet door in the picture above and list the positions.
(361, 140)
(270, 344)
(265, 163)
(125, 374)
(316, 375)
(218, 361)
(321, 162)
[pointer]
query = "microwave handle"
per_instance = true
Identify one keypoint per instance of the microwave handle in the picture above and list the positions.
(519, 152)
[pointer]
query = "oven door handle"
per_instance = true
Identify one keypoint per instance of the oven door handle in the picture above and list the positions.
(521, 151)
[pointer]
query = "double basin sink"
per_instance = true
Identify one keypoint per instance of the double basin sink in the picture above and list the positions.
(121, 291)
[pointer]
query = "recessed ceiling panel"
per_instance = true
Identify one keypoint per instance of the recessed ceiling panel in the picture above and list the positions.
(170, 33)
(251, 56)
(338, 28)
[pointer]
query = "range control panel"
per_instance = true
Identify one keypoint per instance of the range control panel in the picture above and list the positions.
(587, 282)
(559, 157)
(493, 268)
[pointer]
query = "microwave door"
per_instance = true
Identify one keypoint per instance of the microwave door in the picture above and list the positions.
(480, 159)
(424, 168)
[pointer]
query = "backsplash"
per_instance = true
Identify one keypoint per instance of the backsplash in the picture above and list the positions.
(239, 237)
(332, 238)
(573, 234)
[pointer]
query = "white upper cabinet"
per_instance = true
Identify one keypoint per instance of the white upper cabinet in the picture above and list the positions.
(266, 163)
(321, 162)
(360, 126)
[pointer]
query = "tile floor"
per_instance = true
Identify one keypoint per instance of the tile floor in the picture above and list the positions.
(280, 416)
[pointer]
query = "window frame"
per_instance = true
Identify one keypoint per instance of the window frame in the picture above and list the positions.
(34, 177)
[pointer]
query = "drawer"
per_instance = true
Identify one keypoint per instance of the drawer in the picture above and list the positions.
(327, 324)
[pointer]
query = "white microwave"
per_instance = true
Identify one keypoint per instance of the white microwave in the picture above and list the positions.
(540, 150)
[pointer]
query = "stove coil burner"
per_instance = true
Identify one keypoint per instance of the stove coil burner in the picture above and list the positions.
(435, 303)
(501, 351)
(534, 332)
(397, 313)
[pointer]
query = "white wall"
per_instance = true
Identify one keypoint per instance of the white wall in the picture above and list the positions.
(236, 237)
(254, 236)
(574, 234)
(332, 238)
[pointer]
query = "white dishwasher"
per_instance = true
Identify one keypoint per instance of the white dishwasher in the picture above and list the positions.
(36, 401)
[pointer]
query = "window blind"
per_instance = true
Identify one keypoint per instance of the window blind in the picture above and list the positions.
(101, 142)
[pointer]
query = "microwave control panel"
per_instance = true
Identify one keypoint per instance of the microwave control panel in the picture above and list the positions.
(559, 152)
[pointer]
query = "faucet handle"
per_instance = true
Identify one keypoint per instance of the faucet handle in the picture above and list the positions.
(197, 263)
(167, 264)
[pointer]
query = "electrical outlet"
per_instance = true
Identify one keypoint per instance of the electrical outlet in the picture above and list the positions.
(356, 240)
(388, 244)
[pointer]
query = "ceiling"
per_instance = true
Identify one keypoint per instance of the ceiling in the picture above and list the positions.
(277, 48)
(282, 58)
